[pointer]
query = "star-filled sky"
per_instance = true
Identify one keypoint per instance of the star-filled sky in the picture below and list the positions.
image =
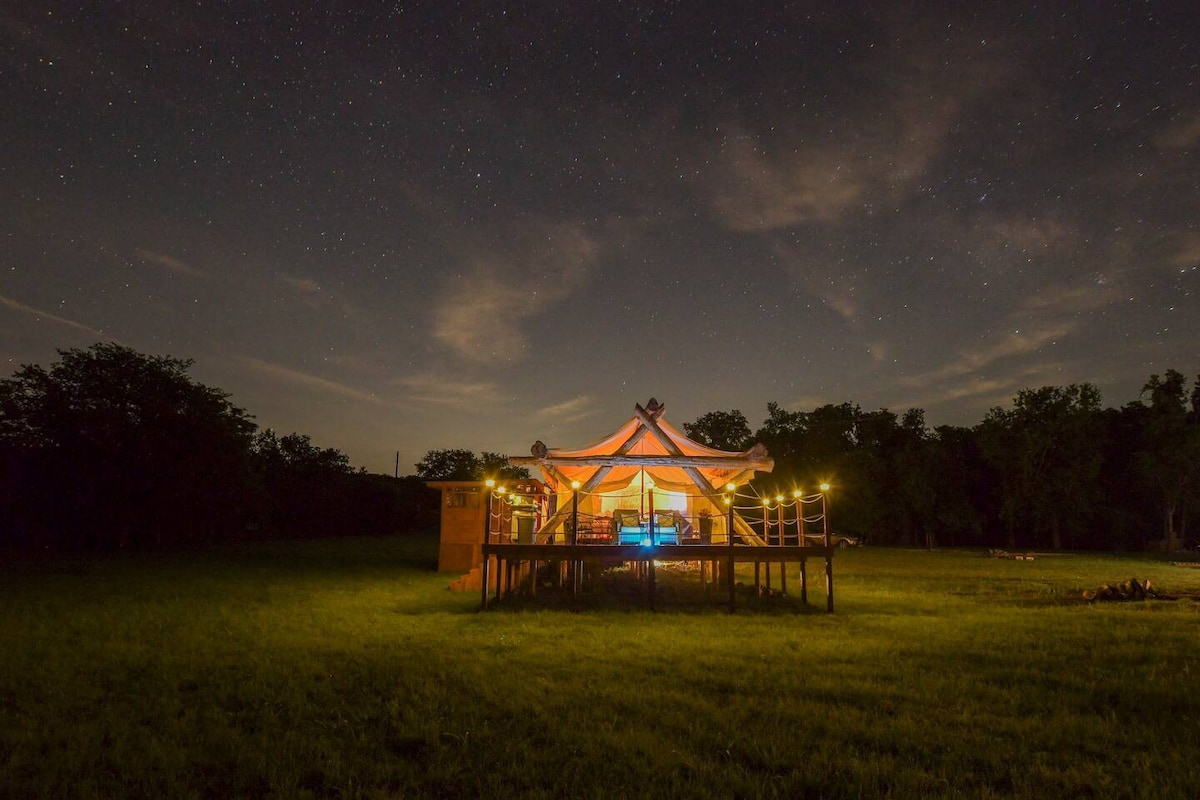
(406, 226)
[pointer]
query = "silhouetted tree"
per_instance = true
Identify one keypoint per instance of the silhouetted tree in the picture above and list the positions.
(1169, 456)
(724, 430)
(496, 467)
(959, 482)
(308, 488)
(464, 465)
(450, 465)
(1045, 449)
(110, 447)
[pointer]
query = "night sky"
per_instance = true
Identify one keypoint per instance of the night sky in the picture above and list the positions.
(478, 225)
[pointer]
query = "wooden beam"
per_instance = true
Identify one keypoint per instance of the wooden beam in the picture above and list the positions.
(553, 473)
(707, 489)
(560, 516)
(738, 463)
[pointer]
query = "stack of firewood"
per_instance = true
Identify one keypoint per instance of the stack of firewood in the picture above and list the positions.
(1015, 556)
(1132, 589)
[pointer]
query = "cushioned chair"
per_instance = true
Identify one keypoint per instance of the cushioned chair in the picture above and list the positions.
(630, 529)
(666, 527)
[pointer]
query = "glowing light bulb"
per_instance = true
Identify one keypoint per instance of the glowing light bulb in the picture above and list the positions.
(824, 487)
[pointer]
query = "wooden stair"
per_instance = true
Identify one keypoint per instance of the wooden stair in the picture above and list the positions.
(471, 582)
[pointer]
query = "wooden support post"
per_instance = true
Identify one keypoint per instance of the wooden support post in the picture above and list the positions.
(829, 583)
(729, 565)
(575, 512)
(804, 581)
(487, 538)
(757, 577)
(653, 585)
(783, 577)
(483, 580)
(828, 557)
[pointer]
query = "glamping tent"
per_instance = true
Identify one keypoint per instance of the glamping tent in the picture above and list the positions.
(645, 483)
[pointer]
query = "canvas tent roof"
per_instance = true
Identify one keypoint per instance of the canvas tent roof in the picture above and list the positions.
(647, 442)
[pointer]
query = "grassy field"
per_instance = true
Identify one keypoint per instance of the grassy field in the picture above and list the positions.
(345, 669)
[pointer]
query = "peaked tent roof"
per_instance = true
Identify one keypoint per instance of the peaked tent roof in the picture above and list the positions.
(648, 442)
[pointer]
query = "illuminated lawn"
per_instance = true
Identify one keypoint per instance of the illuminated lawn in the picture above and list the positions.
(344, 668)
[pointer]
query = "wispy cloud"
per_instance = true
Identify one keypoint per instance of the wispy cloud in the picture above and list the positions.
(1187, 251)
(46, 315)
(430, 388)
(170, 263)
(302, 285)
(311, 381)
(316, 296)
(979, 390)
(806, 402)
(572, 410)
(1181, 133)
(1031, 234)
(994, 390)
(760, 193)
(879, 148)
(1047, 317)
(1016, 342)
(479, 313)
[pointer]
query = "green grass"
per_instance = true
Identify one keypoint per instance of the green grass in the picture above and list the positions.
(345, 669)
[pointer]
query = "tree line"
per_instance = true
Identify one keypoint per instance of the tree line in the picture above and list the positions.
(111, 448)
(1054, 471)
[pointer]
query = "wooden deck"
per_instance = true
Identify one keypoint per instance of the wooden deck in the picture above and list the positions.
(505, 556)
